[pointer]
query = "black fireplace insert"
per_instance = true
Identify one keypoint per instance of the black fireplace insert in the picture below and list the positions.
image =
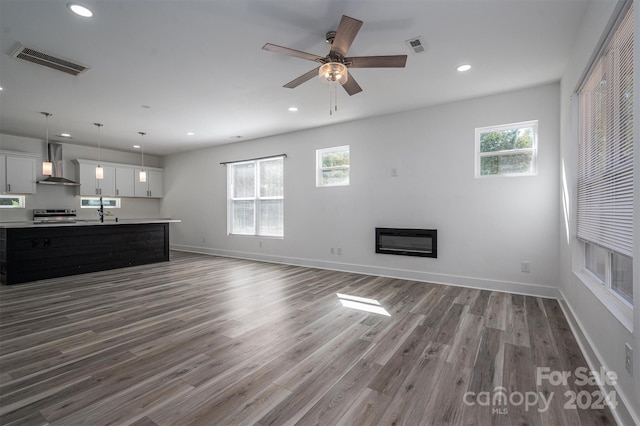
(407, 242)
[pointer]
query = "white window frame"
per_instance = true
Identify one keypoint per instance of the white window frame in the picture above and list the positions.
(320, 169)
(533, 124)
(256, 198)
(19, 198)
(607, 279)
(614, 302)
(117, 202)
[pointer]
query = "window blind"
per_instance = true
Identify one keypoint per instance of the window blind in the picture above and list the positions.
(605, 154)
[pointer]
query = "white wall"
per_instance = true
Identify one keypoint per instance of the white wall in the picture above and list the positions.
(486, 227)
(603, 336)
(64, 197)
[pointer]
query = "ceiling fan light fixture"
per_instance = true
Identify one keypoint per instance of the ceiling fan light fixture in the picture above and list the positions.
(333, 72)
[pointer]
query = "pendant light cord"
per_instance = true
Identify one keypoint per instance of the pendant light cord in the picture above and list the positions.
(46, 130)
(98, 125)
(142, 147)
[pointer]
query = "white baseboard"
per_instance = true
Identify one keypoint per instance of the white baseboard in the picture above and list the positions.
(546, 291)
(624, 412)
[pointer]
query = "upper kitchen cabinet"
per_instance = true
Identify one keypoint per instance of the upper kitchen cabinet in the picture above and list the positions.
(91, 186)
(152, 188)
(120, 180)
(125, 182)
(17, 173)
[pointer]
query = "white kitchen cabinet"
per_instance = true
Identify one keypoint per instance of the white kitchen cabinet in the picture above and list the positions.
(153, 187)
(120, 180)
(125, 182)
(91, 186)
(17, 173)
(3, 172)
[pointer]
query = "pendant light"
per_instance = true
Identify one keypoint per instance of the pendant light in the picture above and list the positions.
(143, 173)
(47, 166)
(99, 169)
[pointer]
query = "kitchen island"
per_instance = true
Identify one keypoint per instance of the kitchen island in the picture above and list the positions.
(33, 251)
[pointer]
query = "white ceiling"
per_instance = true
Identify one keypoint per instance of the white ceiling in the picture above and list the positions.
(198, 65)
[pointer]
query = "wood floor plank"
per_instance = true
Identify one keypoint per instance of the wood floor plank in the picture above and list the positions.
(518, 380)
(337, 400)
(395, 371)
(220, 341)
(496, 316)
(479, 306)
(410, 401)
(465, 342)
(517, 329)
(305, 396)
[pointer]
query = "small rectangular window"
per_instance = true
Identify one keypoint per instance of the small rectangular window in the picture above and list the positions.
(94, 202)
(507, 150)
(11, 201)
(332, 166)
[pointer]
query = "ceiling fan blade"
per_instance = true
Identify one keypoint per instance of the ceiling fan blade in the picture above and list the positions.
(304, 77)
(292, 52)
(351, 86)
(391, 61)
(346, 32)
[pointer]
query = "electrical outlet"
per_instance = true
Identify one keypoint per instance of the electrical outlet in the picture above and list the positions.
(339, 251)
(628, 358)
(525, 266)
(332, 250)
(260, 244)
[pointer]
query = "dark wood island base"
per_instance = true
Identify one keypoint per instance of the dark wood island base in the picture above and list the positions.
(39, 252)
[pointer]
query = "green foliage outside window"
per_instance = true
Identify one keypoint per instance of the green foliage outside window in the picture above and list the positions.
(513, 150)
(333, 166)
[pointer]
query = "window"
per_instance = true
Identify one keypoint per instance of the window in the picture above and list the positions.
(605, 163)
(507, 150)
(256, 197)
(11, 201)
(94, 202)
(332, 166)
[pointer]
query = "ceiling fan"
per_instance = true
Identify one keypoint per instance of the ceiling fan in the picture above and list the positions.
(334, 66)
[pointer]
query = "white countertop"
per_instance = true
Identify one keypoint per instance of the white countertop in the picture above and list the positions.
(83, 222)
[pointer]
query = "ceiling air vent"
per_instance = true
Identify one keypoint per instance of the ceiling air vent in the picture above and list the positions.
(47, 60)
(416, 45)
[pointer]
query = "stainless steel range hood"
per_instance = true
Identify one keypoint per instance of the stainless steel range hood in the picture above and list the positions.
(56, 178)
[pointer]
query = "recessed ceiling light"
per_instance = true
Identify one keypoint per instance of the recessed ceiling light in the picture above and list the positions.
(136, 146)
(80, 10)
(1, 89)
(190, 133)
(463, 68)
(65, 135)
(293, 108)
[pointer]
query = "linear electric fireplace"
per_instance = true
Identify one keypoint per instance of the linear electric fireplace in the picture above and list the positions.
(407, 242)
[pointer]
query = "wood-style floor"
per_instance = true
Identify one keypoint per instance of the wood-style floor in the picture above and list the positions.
(215, 341)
